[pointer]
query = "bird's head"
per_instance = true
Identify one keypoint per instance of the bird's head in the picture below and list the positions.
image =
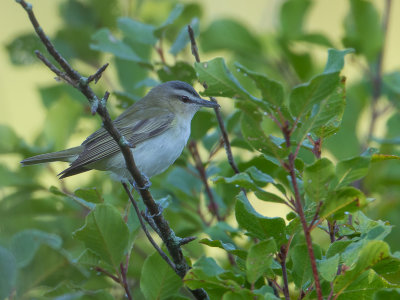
(177, 96)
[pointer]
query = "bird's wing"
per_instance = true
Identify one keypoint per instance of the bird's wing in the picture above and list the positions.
(100, 144)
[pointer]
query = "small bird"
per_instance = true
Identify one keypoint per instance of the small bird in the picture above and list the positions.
(157, 127)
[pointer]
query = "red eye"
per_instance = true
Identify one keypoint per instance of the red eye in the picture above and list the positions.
(185, 99)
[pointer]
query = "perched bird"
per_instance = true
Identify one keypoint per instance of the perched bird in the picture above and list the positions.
(157, 127)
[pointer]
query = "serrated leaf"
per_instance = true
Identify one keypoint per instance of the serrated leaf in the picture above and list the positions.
(180, 71)
(257, 225)
(158, 280)
(259, 259)
(106, 234)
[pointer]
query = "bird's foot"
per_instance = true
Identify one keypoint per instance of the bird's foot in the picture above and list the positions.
(151, 216)
(146, 185)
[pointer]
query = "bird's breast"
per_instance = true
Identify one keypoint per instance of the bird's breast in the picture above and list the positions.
(155, 155)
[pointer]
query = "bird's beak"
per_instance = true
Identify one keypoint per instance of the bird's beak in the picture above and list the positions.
(204, 102)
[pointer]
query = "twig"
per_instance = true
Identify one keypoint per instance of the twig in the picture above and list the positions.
(166, 233)
(316, 215)
(96, 76)
(213, 206)
(221, 124)
(108, 274)
(306, 230)
(282, 259)
(124, 282)
(143, 225)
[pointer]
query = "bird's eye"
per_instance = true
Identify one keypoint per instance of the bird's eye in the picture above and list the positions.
(185, 99)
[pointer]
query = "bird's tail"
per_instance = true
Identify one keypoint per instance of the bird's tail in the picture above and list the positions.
(67, 155)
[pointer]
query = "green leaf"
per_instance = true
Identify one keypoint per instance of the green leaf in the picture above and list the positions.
(243, 180)
(242, 294)
(49, 267)
(106, 234)
(250, 123)
(158, 280)
(92, 195)
(175, 13)
(304, 96)
(220, 80)
(8, 273)
(259, 259)
(137, 31)
(26, 243)
(382, 157)
(363, 29)
(21, 50)
(328, 267)
(104, 41)
(8, 139)
(302, 271)
(350, 170)
(257, 225)
(202, 122)
(347, 199)
(180, 71)
(227, 34)
(258, 176)
(292, 16)
(271, 90)
(370, 254)
(225, 246)
(316, 178)
(183, 37)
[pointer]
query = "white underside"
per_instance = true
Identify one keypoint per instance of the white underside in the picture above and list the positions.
(152, 156)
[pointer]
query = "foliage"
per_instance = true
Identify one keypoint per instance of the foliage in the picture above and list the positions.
(292, 128)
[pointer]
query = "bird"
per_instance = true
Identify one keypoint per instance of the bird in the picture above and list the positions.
(157, 127)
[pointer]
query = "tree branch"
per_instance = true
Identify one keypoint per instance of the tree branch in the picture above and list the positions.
(213, 206)
(167, 235)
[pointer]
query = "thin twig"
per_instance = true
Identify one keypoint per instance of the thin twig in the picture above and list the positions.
(316, 215)
(96, 76)
(282, 259)
(306, 230)
(125, 281)
(221, 124)
(213, 206)
(108, 274)
(143, 225)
